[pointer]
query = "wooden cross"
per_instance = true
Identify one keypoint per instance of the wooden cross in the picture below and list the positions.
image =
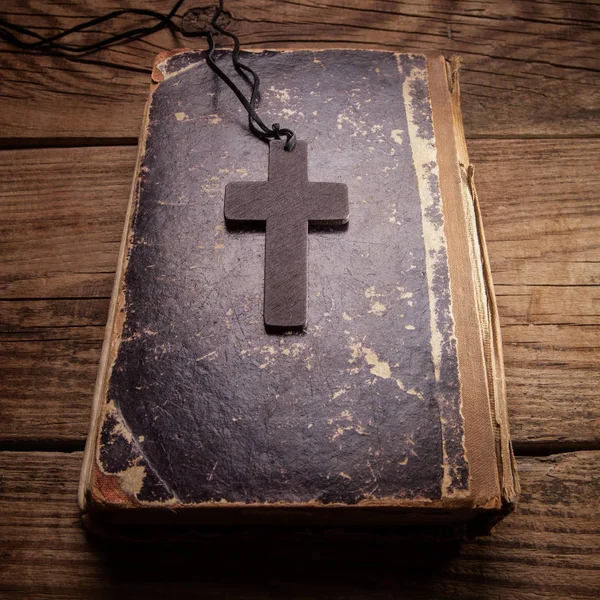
(287, 203)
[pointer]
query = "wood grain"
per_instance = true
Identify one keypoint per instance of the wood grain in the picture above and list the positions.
(49, 352)
(542, 222)
(530, 69)
(61, 219)
(60, 236)
(547, 549)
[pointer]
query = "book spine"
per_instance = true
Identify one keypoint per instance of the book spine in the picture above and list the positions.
(492, 341)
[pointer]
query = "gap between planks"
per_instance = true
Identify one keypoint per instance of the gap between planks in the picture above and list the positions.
(522, 450)
(10, 144)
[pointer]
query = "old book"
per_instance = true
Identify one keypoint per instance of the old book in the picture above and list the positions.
(390, 406)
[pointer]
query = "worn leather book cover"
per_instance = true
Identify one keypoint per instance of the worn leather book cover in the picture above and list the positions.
(389, 407)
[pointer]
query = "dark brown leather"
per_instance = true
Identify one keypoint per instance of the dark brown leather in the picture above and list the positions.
(213, 407)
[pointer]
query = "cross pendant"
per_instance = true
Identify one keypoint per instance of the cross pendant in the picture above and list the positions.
(286, 204)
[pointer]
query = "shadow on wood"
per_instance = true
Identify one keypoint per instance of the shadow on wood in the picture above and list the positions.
(301, 564)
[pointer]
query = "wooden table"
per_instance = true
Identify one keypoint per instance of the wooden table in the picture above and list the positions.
(531, 102)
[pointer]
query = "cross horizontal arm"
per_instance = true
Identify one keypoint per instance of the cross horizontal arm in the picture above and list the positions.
(246, 201)
(329, 203)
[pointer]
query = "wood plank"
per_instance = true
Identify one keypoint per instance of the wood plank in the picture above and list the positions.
(53, 319)
(540, 231)
(50, 348)
(547, 549)
(549, 304)
(61, 220)
(540, 209)
(542, 221)
(49, 352)
(529, 68)
(46, 390)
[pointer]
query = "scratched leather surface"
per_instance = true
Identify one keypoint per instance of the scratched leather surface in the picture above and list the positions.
(209, 404)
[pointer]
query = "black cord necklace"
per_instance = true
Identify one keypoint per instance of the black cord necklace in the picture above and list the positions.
(56, 46)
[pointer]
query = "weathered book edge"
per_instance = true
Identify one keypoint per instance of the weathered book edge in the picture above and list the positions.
(110, 341)
(489, 318)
